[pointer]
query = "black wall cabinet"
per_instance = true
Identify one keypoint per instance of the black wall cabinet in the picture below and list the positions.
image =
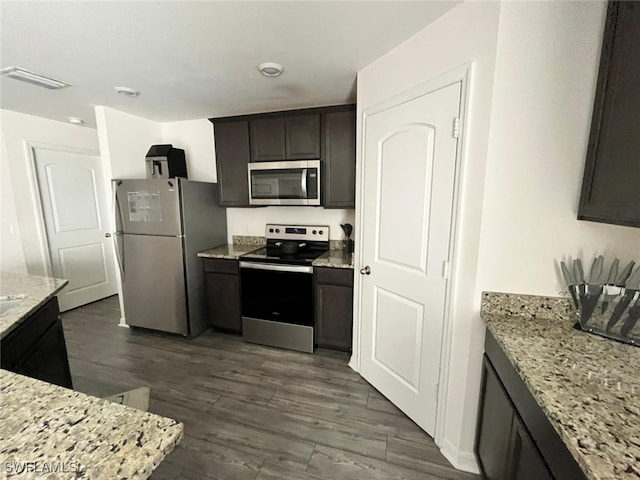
(222, 284)
(37, 348)
(333, 307)
(611, 183)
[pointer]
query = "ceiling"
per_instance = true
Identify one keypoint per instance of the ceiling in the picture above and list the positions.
(195, 60)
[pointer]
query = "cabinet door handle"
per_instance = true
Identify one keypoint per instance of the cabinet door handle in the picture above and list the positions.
(108, 235)
(366, 270)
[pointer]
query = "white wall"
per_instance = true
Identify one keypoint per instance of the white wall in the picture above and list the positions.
(125, 139)
(251, 221)
(196, 138)
(18, 131)
(11, 254)
(543, 99)
(466, 34)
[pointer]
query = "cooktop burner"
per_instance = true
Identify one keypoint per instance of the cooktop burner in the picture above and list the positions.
(293, 244)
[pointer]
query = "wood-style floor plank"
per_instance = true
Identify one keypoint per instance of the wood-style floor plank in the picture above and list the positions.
(252, 412)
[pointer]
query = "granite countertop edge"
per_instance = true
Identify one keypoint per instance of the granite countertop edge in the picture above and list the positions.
(37, 291)
(525, 315)
(52, 425)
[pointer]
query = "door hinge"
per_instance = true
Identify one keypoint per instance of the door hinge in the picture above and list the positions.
(446, 269)
(456, 127)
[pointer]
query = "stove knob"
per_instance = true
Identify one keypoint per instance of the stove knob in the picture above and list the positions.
(314, 232)
(277, 230)
(271, 230)
(320, 232)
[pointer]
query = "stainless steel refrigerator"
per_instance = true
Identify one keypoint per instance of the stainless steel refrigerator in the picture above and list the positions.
(161, 225)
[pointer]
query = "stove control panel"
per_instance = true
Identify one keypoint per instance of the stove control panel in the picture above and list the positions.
(318, 233)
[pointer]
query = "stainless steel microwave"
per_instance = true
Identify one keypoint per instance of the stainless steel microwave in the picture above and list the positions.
(284, 183)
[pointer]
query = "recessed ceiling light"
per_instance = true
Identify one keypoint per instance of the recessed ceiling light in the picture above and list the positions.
(33, 78)
(270, 69)
(75, 120)
(127, 92)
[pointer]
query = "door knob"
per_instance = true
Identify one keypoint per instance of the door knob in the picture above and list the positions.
(366, 270)
(107, 235)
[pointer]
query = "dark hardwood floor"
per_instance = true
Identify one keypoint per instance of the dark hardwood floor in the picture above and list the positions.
(252, 412)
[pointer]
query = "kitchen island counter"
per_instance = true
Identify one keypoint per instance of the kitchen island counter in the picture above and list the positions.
(46, 428)
(587, 386)
(29, 292)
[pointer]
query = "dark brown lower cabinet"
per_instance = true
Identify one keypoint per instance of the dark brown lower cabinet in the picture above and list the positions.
(526, 461)
(494, 428)
(222, 283)
(514, 439)
(37, 348)
(333, 307)
(504, 448)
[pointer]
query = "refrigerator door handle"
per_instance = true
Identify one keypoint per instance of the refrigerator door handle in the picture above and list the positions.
(117, 233)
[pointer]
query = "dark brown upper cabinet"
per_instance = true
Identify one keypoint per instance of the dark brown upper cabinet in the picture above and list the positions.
(303, 137)
(232, 156)
(611, 183)
(267, 139)
(285, 137)
(340, 159)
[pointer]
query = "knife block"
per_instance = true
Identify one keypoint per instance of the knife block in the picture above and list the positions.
(609, 311)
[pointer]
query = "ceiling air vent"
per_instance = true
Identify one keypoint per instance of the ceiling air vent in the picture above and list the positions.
(33, 78)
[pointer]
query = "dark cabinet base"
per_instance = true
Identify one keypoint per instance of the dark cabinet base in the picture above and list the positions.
(37, 348)
(222, 284)
(333, 308)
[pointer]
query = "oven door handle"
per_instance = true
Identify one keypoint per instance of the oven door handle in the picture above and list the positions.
(277, 267)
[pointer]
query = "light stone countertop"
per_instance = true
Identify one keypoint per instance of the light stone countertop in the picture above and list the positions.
(231, 251)
(334, 259)
(36, 291)
(56, 428)
(587, 386)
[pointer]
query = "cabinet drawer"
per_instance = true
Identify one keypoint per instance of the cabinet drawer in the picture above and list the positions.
(334, 276)
(221, 265)
(17, 343)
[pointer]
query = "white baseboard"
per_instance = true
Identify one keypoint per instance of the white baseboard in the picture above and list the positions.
(465, 461)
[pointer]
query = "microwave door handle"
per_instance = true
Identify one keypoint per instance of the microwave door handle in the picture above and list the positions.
(303, 183)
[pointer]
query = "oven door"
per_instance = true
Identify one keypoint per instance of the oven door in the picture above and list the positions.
(280, 293)
(284, 183)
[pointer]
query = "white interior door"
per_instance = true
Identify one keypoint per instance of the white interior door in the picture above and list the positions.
(409, 183)
(76, 217)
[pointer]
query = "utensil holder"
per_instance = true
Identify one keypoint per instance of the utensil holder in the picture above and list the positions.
(609, 311)
(347, 246)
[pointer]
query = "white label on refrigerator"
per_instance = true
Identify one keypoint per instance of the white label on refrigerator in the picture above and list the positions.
(144, 206)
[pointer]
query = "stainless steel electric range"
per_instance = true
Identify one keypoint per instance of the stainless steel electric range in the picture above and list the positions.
(276, 284)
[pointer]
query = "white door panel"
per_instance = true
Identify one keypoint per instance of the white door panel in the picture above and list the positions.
(76, 219)
(409, 172)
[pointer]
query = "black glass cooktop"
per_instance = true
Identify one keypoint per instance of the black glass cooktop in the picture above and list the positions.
(274, 254)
